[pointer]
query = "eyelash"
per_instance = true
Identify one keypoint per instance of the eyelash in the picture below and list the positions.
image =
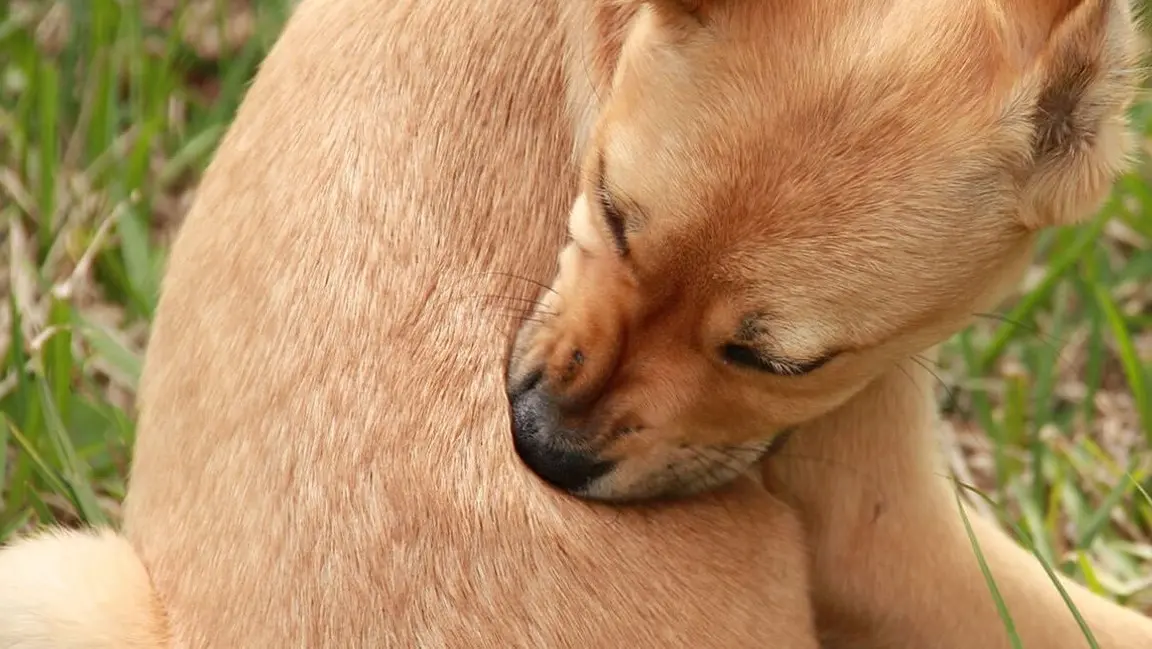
(745, 356)
(612, 217)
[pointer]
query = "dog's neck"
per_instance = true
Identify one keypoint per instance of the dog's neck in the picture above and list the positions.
(867, 478)
(879, 446)
(887, 538)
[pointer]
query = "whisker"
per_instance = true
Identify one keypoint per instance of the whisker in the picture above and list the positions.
(521, 278)
(911, 379)
(726, 468)
(536, 316)
(519, 315)
(947, 388)
(513, 308)
(524, 318)
(734, 467)
(1054, 342)
(453, 287)
(516, 308)
(707, 467)
(925, 359)
(1057, 345)
(758, 449)
(497, 296)
(701, 468)
(588, 72)
(721, 468)
(743, 463)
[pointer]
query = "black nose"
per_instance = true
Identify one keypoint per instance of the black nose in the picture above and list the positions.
(535, 437)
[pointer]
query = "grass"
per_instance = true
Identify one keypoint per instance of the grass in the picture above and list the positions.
(106, 128)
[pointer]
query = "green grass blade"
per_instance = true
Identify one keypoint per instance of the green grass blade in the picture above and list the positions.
(1088, 635)
(997, 598)
(50, 476)
(18, 522)
(1047, 565)
(43, 512)
(23, 409)
(1089, 573)
(1129, 358)
(56, 355)
(1100, 517)
(1140, 488)
(74, 473)
(104, 345)
(1057, 268)
(48, 95)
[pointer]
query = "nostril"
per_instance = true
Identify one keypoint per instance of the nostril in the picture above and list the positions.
(575, 362)
(624, 431)
(515, 391)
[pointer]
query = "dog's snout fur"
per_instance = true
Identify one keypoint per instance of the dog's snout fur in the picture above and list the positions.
(583, 365)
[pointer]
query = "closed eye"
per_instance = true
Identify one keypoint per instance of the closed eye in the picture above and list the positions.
(750, 358)
(611, 213)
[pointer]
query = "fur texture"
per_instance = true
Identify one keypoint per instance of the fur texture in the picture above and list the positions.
(323, 457)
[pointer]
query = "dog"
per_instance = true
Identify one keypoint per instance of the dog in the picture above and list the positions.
(782, 203)
(558, 435)
(323, 455)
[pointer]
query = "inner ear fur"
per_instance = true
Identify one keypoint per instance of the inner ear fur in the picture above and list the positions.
(1081, 78)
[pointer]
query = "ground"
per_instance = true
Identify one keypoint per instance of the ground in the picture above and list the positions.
(110, 109)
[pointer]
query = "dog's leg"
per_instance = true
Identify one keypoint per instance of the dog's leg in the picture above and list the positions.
(893, 565)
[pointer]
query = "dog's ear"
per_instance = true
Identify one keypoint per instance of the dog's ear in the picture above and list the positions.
(1080, 61)
(605, 27)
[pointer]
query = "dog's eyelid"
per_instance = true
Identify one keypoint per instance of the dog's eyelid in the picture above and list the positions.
(608, 204)
(750, 356)
(611, 213)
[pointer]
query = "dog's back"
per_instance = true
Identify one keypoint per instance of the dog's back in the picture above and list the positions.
(323, 453)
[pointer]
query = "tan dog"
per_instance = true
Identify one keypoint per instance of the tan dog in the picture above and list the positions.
(898, 146)
(324, 456)
(849, 182)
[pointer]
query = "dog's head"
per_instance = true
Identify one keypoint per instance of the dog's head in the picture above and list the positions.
(781, 198)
